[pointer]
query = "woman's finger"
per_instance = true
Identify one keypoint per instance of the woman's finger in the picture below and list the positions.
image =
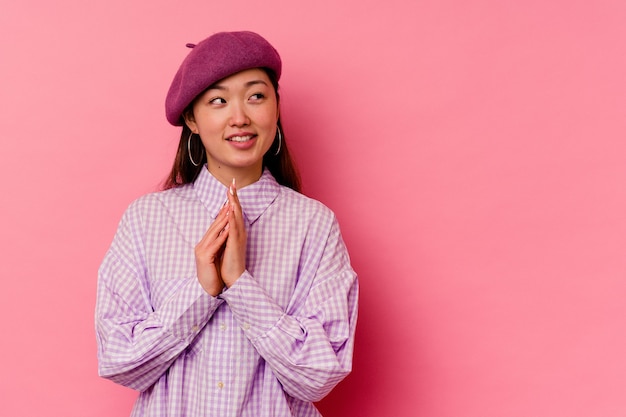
(216, 228)
(234, 257)
(235, 206)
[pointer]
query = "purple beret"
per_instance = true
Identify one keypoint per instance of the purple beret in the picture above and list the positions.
(213, 59)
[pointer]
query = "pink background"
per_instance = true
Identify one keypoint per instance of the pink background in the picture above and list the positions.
(473, 151)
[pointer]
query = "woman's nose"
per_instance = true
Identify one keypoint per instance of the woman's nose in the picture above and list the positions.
(238, 116)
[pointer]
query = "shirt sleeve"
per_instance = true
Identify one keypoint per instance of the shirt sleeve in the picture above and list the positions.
(137, 344)
(309, 347)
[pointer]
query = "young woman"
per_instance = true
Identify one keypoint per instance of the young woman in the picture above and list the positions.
(228, 293)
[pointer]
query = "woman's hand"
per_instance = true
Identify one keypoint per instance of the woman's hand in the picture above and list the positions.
(234, 255)
(209, 252)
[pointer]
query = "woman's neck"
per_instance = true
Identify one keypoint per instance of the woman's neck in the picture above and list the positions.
(242, 177)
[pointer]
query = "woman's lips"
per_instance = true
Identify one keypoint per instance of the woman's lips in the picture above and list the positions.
(240, 138)
(242, 142)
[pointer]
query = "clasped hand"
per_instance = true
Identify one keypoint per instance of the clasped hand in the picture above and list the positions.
(221, 254)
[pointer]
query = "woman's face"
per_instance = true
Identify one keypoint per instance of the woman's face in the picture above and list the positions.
(236, 120)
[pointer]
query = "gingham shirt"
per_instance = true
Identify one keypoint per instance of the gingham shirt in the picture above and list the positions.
(277, 340)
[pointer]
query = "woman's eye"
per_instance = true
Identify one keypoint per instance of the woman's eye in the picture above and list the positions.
(218, 100)
(257, 96)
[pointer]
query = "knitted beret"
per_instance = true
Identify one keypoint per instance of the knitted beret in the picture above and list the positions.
(215, 58)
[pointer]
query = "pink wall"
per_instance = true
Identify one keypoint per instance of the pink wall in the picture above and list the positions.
(473, 151)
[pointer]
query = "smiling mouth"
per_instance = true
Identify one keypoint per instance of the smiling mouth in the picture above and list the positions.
(240, 138)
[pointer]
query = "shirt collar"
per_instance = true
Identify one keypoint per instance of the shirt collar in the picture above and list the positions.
(254, 198)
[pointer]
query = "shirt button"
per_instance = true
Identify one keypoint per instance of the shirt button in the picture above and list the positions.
(222, 326)
(194, 328)
(246, 326)
(220, 385)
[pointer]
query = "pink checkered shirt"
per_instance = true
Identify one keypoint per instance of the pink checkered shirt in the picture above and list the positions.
(273, 343)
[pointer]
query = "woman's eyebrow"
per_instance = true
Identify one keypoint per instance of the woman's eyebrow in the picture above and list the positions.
(254, 82)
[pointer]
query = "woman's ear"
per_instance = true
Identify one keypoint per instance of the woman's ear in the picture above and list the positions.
(190, 121)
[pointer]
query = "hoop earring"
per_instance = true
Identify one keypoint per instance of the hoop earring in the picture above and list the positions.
(189, 151)
(280, 140)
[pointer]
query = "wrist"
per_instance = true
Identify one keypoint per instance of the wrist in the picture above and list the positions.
(213, 289)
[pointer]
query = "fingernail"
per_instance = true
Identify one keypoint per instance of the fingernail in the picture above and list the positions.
(230, 190)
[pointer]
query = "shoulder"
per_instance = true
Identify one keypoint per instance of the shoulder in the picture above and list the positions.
(295, 198)
(304, 206)
(158, 202)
